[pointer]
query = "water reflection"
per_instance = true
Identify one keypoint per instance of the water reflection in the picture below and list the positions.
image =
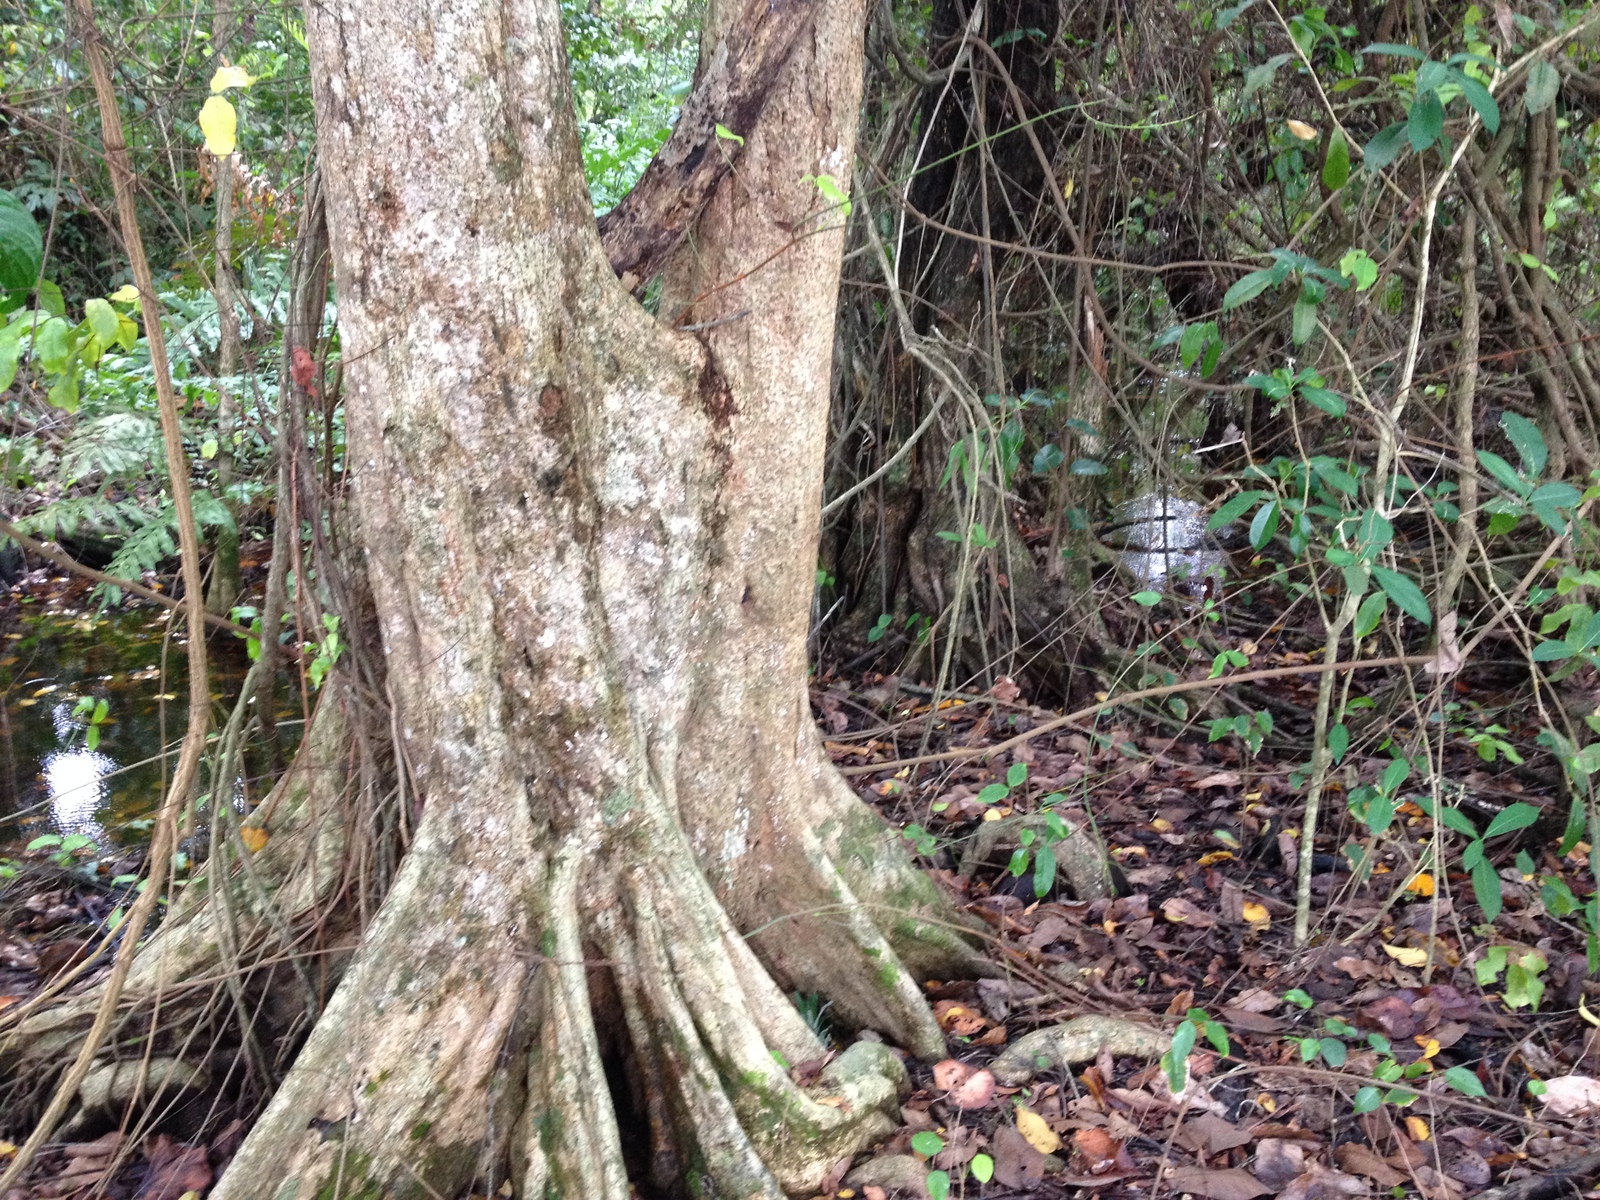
(77, 778)
(1162, 540)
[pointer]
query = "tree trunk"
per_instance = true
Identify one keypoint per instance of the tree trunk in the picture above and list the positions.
(591, 540)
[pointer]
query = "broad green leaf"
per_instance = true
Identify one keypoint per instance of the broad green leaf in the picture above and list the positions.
(926, 1143)
(1486, 887)
(1336, 163)
(1264, 525)
(1047, 458)
(220, 125)
(64, 392)
(1504, 472)
(1465, 1082)
(982, 1168)
(1333, 1050)
(1431, 76)
(1366, 1100)
(1148, 599)
(21, 245)
(1554, 650)
(1339, 740)
(1528, 440)
(51, 345)
(1305, 320)
(1482, 102)
(1235, 508)
(102, 319)
(1016, 774)
(1425, 122)
(1371, 613)
(1329, 402)
(1544, 85)
(938, 1185)
(728, 135)
(1257, 78)
(1247, 289)
(1392, 49)
(1386, 147)
(993, 793)
(10, 353)
(833, 193)
(1396, 773)
(1087, 466)
(1044, 871)
(1406, 594)
(1514, 816)
(1357, 265)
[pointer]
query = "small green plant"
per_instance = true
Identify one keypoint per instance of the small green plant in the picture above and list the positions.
(328, 651)
(65, 849)
(1197, 1023)
(1253, 731)
(1524, 985)
(1474, 856)
(94, 712)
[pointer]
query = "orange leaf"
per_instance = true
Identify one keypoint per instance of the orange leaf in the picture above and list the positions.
(1418, 1129)
(254, 838)
(1422, 885)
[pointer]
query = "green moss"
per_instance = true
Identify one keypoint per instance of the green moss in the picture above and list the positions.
(889, 975)
(615, 806)
(420, 1130)
(349, 1178)
(547, 943)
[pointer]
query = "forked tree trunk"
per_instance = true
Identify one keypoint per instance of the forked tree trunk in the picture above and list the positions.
(591, 540)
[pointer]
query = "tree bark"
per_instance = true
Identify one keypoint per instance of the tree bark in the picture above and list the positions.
(590, 541)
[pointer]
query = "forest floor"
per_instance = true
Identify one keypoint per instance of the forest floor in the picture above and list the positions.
(1417, 1045)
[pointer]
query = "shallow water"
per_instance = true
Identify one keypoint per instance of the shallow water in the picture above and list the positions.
(54, 652)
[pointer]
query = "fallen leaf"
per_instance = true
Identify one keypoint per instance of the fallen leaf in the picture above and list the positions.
(1278, 1160)
(1418, 1129)
(1184, 912)
(1301, 130)
(957, 1018)
(968, 1086)
(1231, 1183)
(1406, 956)
(1256, 914)
(1017, 1165)
(1256, 1000)
(1571, 1096)
(1322, 1183)
(1096, 1150)
(1422, 884)
(1038, 1134)
(1217, 779)
(1360, 1159)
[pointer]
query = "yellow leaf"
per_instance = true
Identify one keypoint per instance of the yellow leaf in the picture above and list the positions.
(1039, 1135)
(1256, 914)
(126, 294)
(1267, 1103)
(1216, 856)
(1430, 1046)
(1422, 885)
(220, 124)
(1583, 1011)
(1418, 1129)
(254, 838)
(992, 815)
(1406, 956)
(1302, 131)
(7, 1149)
(229, 77)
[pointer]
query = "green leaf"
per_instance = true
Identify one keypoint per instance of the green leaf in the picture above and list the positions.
(1087, 466)
(1247, 289)
(832, 192)
(102, 319)
(1503, 472)
(1465, 1081)
(1230, 14)
(1044, 871)
(1528, 440)
(1339, 740)
(51, 347)
(1544, 85)
(1148, 599)
(1016, 774)
(982, 1168)
(1371, 613)
(1257, 78)
(1514, 816)
(1047, 458)
(1305, 320)
(1431, 76)
(1425, 122)
(1264, 525)
(1393, 49)
(1554, 650)
(21, 245)
(1358, 265)
(1235, 508)
(926, 1143)
(993, 793)
(1486, 887)
(938, 1185)
(729, 135)
(1386, 147)
(1482, 102)
(1333, 1051)
(1406, 595)
(1366, 1099)
(1336, 163)
(1299, 997)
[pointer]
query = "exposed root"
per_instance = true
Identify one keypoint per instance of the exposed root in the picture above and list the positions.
(1081, 1039)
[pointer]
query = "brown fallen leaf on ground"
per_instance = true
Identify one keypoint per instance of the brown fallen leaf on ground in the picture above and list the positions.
(1323, 1183)
(1360, 1159)
(174, 1170)
(1571, 1096)
(968, 1086)
(1279, 1160)
(1229, 1183)
(1017, 1165)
